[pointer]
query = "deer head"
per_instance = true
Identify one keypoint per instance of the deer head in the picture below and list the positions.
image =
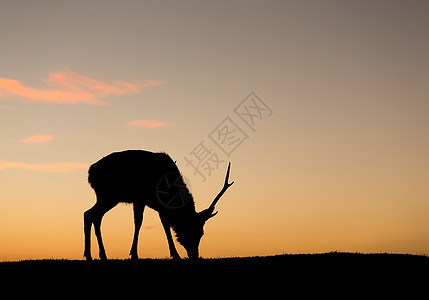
(190, 235)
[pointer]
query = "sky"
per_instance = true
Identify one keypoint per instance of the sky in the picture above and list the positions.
(320, 106)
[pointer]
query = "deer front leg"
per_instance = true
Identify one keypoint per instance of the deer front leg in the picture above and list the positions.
(166, 225)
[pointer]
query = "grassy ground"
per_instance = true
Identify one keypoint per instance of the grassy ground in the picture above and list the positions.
(331, 260)
(344, 275)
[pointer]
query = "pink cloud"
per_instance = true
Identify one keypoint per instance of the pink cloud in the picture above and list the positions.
(52, 167)
(148, 124)
(42, 138)
(69, 87)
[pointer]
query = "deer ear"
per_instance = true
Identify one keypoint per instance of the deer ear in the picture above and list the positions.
(207, 214)
(212, 215)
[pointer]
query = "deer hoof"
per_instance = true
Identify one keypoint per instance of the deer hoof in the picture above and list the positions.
(176, 257)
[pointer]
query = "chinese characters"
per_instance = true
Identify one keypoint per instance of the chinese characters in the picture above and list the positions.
(227, 136)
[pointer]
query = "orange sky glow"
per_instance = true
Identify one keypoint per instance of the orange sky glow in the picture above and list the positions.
(41, 138)
(320, 106)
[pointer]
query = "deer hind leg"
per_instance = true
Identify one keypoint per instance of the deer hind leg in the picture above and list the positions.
(94, 216)
(88, 219)
(138, 219)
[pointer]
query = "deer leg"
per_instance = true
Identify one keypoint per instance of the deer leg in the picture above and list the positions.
(88, 219)
(166, 225)
(97, 230)
(99, 210)
(138, 219)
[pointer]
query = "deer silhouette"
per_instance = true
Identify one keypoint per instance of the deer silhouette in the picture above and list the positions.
(150, 179)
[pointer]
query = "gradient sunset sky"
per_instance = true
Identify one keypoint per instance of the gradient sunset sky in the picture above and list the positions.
(332, 155)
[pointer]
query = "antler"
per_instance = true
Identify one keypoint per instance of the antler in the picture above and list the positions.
(208, 213)
(226, 185)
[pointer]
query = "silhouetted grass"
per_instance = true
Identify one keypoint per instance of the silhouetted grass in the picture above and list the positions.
(331, 260)
(305, 273)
